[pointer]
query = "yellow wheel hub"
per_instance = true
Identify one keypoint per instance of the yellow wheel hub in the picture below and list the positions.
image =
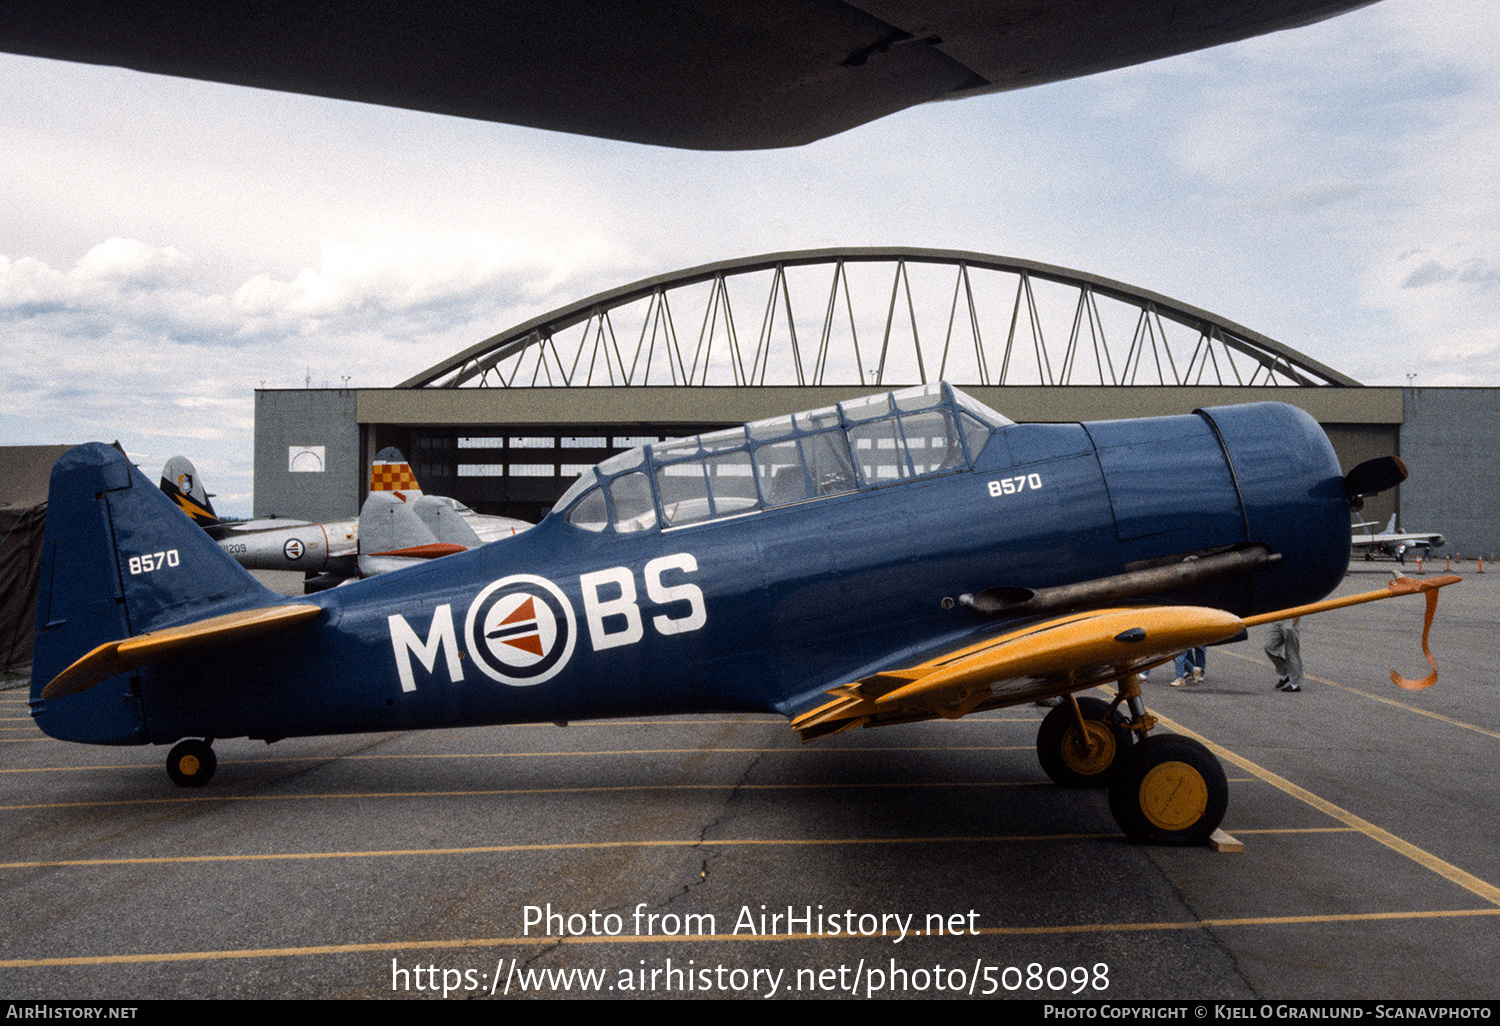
(189, 765)
(1174, 796)
(1089, 754)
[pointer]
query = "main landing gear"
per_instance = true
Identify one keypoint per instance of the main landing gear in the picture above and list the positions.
(1171, 791)
(1164, 789)
(191, 763)
(1080, 742)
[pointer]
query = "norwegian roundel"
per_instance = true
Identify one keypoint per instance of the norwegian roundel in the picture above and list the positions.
(520, 630)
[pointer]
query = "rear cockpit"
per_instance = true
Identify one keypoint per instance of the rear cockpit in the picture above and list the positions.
(866, 443)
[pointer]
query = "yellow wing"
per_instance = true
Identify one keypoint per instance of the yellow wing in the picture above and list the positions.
(1059, 655)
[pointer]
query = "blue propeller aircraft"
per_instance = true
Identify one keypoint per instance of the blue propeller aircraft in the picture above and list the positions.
(906, 556)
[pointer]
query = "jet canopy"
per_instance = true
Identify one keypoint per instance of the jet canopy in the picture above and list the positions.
(865, 443)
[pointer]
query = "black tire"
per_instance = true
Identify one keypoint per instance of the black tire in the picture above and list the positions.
(1170, 790)
(191, 763)
(1061, 751)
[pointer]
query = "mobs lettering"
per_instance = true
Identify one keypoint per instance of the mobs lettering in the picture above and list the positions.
(521, 630)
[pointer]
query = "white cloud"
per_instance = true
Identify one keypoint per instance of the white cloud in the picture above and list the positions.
(129, 262)
(1332, 186)
(137, 341)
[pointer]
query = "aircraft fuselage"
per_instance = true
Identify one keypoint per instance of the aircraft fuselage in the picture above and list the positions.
(747, 608)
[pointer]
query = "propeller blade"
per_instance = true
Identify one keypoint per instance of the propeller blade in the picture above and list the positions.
(1374, 476)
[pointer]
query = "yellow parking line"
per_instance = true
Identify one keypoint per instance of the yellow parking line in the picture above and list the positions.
(796, 842)
(561, 753)
(177, 799)
(1489, 892)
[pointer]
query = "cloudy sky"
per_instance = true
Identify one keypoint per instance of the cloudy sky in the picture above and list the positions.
(168, 246)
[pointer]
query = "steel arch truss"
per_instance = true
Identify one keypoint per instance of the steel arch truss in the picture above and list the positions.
(878, 317)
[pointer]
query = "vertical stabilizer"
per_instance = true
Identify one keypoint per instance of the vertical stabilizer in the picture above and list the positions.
(445, 522)
(389, 472)
(181, 484)
(390, 524)
(118, 560)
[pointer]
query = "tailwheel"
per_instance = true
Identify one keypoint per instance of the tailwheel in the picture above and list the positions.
(191, 763)
(1082, 758)
(1171, 791)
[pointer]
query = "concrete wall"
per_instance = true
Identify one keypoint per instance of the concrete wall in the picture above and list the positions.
(1450, 441)
(307, 458)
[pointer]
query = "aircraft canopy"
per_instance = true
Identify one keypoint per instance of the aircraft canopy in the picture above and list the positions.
(864, 443)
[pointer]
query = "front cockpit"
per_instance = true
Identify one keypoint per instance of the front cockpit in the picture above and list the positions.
(857, 445)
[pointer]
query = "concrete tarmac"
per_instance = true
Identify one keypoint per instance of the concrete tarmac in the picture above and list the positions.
(716, 856)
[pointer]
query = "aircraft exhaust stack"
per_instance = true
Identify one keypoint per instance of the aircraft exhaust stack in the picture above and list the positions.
(1156, 581)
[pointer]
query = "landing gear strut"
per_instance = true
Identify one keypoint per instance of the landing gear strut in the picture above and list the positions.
(191, 763)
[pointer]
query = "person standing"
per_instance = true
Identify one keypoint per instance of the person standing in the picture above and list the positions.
(1190, 667)
(1284, 647)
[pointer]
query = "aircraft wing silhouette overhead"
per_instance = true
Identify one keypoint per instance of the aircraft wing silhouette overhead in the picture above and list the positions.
(708, 74)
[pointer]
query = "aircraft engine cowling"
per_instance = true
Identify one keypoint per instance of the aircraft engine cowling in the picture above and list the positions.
(1292, 496)
(1258, 477)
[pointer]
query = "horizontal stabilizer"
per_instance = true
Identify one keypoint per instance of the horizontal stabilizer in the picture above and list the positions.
(128, 653)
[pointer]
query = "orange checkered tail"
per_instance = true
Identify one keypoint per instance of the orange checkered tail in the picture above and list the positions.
(391, 473)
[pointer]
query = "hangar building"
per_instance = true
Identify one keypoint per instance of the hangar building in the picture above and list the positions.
(506, 424)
